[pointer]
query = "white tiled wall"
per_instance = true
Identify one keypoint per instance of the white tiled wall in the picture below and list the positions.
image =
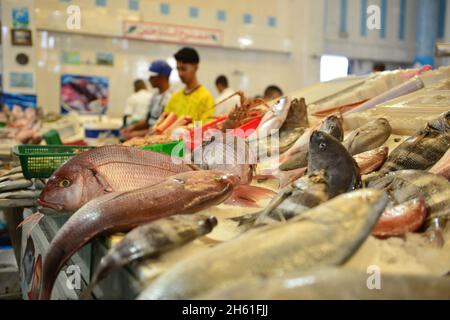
(287, 55)
(372, 46)
(251, 70)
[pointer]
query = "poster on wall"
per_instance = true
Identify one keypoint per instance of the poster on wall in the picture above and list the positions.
(20, 17)
(84, 94)
(21, 37)
(70, 57)
(172, 33)
(105, 59)
(21, 80)
(17, 99)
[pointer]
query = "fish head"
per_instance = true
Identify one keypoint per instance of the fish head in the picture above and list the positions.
(207, 223)
(383, 125)
(441, 124)
(69, 188)
(333, 126)
(328, 154)
(323, 147)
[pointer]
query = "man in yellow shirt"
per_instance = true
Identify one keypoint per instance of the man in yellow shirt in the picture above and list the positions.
(194, 100)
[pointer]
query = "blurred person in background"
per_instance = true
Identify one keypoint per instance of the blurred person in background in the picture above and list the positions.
(159, 79)
(224, 107)
(379, 67)
(194, 101)
(272, 92)
(136, 107)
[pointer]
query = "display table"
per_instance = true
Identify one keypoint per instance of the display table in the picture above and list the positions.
(119, 285)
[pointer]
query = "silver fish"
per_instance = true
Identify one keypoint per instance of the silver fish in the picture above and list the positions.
(12, 177)
(21, 194)
(15, 185)
(368, 137)
(327, 235)
(12, 203)
(150, 240)
(334, 284)
(293, 200)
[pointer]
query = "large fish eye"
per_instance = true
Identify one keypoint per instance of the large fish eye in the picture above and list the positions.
(65, 183)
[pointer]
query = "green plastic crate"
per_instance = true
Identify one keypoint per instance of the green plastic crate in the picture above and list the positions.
(166, 148)
(41, 161)
(52, 138)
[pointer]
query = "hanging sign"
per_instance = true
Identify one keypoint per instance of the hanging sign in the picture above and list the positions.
(172, 33)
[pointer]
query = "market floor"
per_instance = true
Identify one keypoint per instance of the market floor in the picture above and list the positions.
(9, 275)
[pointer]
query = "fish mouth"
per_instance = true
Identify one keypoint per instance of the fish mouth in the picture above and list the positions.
(45, 206)
(230, 179)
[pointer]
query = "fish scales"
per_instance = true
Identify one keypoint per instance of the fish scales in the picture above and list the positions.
(122, 211)
(326, 235)
(423, 150)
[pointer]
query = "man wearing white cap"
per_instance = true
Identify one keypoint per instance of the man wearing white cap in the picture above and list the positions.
(159, 79)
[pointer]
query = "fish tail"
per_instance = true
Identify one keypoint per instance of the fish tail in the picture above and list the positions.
(434, 232)
(435, 238)
(246, 220)
(107, 264)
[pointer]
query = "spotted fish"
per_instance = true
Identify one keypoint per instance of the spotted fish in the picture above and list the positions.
(422, 150)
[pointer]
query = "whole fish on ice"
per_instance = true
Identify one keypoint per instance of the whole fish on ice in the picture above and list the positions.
(184, 193)
(104, 170)
(333, 284)
(327, 235)
(407, 185)
(152, 239)
(368, 137)
(442, 168)
(331, 125)
(423, 150)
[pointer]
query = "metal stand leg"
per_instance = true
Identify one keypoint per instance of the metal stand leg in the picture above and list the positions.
(13, 217)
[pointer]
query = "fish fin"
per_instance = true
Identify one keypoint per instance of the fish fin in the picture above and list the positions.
(235, 200)
(32, 220)
(287, 177)
(253, 193)
(246, 220)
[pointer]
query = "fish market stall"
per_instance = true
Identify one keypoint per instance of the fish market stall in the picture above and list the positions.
(181, 214)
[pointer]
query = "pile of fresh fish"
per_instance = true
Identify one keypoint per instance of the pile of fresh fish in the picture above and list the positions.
(151, 240)
(327, 206)
(416, 197)
(17, 191)
(184, 193)
(335, 284)
(232, 154)
(324, 236)
(22, 125)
